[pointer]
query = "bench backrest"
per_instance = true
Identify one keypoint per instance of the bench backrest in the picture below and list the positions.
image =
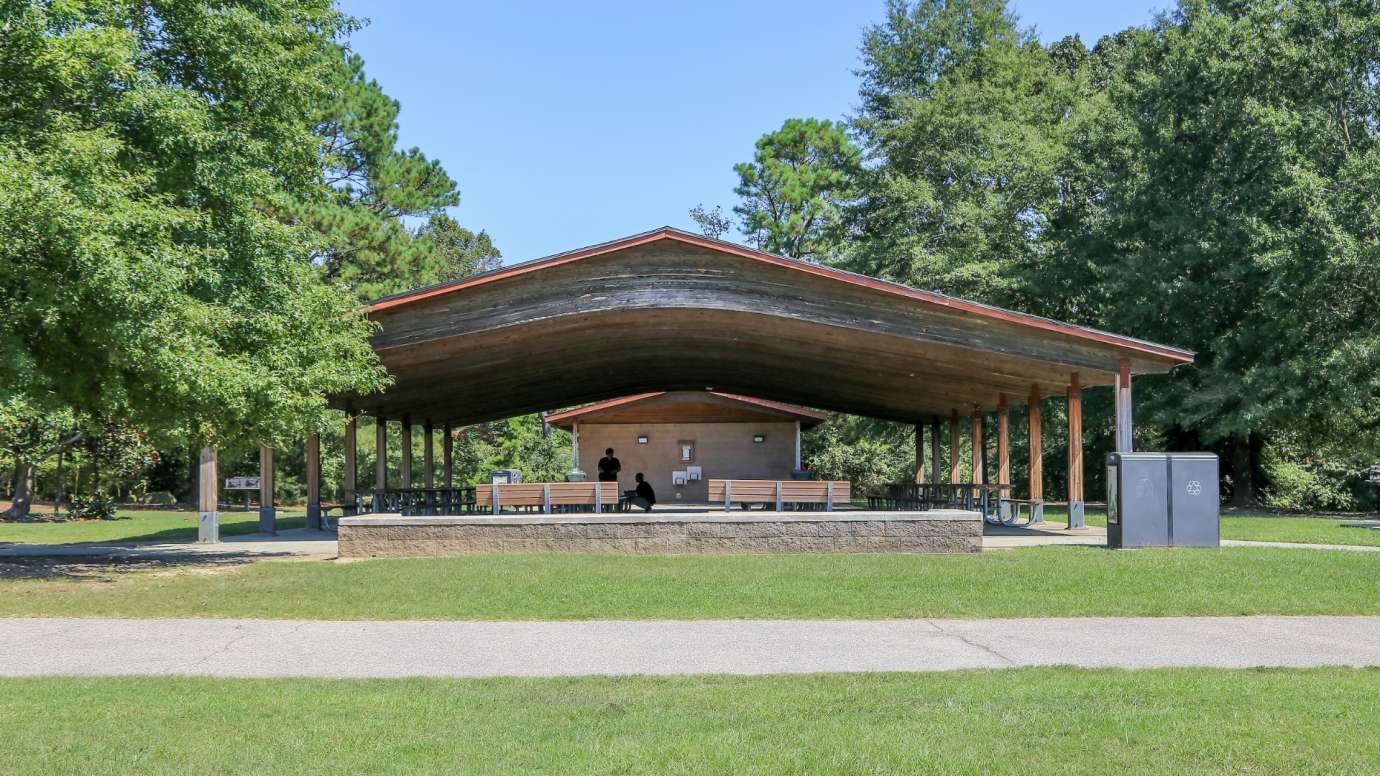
(792, 491)
(532, 494)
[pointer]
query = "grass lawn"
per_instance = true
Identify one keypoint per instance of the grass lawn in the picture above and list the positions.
(1303, 529)
(1041, 581)
(140, 525)
(1059, 721)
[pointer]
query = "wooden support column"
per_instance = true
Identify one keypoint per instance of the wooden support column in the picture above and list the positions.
(919, 453)
(1003, 442)
(936, 455)
(955, 476)
(405, 440)
(1037, 487)
(428, 456)
(978, 456)
(351, 467)
(1124, 426)
(314, 482)
(380, 460)
(1075, 399)
(447, 456)
(268, 516)
(208, 497)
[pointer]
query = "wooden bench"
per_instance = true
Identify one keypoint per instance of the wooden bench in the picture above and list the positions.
(779, 494)
(547, 497)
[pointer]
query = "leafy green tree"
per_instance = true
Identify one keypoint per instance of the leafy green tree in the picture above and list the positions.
(794, 189)
(150, 153)
(368, 187)
(712, 223)
(28, 437)
(461, 253)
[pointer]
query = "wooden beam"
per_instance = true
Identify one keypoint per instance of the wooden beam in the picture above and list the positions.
(1003, 441)
(351, 460)
(955, 476)
(314, 482)
(268, 516)
(1125, 427)
(978, 456)
(1075, 400)
(208, 497)
(919, 453)
(428, 455)
(936, 455)
(447, 456)
(1037, 487)
(405, 441)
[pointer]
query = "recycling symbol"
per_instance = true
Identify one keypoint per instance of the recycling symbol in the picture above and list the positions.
(1195, 488)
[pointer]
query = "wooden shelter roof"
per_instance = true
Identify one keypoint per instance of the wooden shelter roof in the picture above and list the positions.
(685, 407)
(668, 310)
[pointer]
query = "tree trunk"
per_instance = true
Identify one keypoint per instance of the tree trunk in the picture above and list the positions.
(23, 490)
(57, 496)
(1243, 486)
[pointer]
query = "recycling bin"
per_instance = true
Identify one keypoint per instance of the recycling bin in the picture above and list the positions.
(1162, 500)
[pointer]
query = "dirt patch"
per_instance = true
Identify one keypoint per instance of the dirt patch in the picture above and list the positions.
(105, 569)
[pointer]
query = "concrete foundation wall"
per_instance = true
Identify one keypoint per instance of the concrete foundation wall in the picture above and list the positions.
(939, 531)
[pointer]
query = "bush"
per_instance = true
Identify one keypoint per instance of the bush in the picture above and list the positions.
(97, 506)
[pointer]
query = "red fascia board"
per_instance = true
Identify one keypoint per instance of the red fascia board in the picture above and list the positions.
(895, 289)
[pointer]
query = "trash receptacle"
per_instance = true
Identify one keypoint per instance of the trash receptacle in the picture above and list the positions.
(1162, 500)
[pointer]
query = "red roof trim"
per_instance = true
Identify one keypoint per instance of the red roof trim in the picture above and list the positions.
(559, 418)
(896, 289)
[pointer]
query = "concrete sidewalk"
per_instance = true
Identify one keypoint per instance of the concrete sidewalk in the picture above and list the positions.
(275, 648)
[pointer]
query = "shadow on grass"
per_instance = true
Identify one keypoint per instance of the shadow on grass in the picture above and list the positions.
(106, 568)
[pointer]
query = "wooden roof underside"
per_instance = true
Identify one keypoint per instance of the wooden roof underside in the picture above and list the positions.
(669, 311)
(685, 407)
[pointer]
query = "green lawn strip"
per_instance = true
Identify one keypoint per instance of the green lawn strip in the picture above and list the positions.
(1041, 581)
(1054, 720)
(140, 525)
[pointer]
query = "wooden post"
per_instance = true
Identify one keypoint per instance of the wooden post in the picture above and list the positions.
(351, 468)
(208, 497)
(978, 457)
(1003, 441)
(268, 516)
(919, 453)
(954, 476)
(428, 456)
(936, 456)
(447, 459)
(314, 482)
(380, 460)
(1075, 399)
(405, 440)
(1124, 426)
(1037, 487)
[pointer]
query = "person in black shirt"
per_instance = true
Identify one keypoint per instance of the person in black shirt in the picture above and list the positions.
(643, 496)
(609, 467)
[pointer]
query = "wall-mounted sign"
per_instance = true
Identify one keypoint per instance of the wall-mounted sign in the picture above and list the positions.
(678, 477)
(759, 438)
(694, 473)
(241, 483)
(642, 439)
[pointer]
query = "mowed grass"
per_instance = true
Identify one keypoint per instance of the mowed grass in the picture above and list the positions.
(1041, 581)
(139, 525)
(1029, 721)
(1363, 530)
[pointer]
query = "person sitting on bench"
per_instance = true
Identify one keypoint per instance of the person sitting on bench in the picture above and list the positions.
(643, 496)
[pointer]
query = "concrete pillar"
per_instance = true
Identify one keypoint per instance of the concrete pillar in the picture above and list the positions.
(936, 455)
(351, 458)
(314, 482)
(447, 456)
(1124, 425)
(955, 476)
(380, 460)
(1075, 399)
(405, 441)
(268, 516)
(919, 453)
(979, 447)
(428, 456)
(1003, 441)
(1037, 488)
(208, 497)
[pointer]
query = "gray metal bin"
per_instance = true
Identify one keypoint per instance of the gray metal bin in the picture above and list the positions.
(1162, 500)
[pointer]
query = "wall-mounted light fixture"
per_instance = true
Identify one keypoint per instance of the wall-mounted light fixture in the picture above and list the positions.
(759, 438)
(642, 439)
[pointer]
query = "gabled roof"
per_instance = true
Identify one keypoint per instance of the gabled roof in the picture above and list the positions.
(808, 418)
(1166, 352)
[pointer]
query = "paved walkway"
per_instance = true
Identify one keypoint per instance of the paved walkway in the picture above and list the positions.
(273, 648)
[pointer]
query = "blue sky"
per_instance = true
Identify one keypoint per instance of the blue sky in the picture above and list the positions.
(568, 124)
